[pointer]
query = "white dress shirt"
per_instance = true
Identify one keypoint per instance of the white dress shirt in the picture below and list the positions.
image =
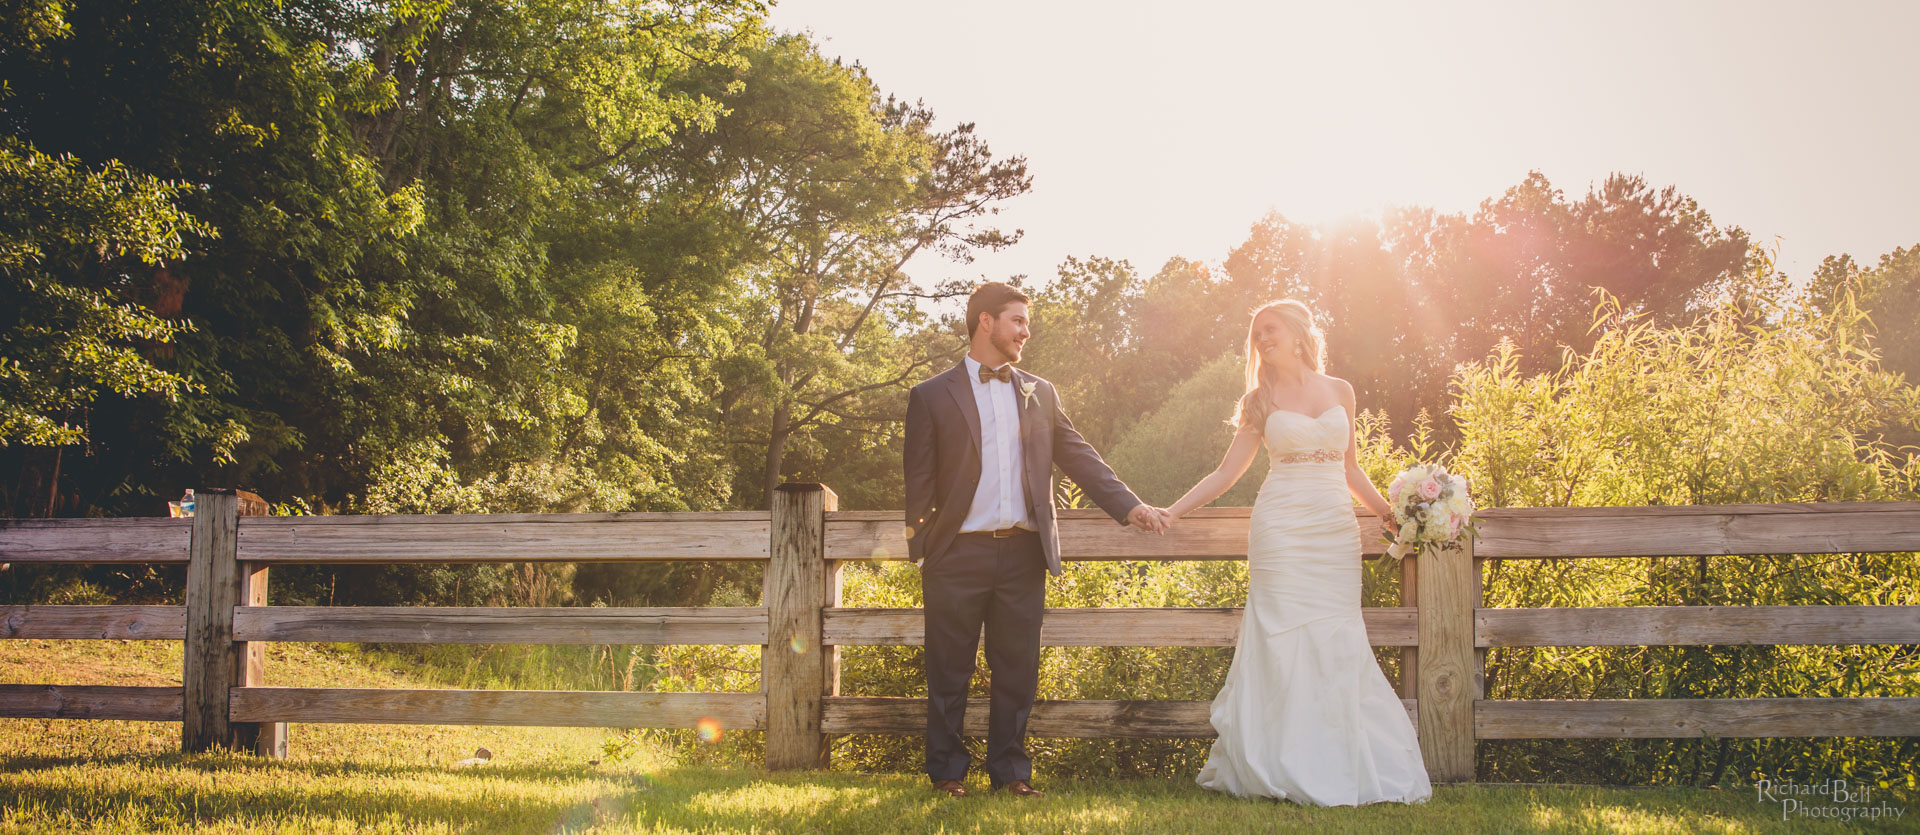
(1001, 499)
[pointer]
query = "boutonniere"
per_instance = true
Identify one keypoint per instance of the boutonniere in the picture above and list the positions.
(1026, 391)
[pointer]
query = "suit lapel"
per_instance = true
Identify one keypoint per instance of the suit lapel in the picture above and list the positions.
(1022, 378)
(1036, 478)
(962, 390)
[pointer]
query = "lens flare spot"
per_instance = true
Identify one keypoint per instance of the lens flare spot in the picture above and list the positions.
(798, 644)
(708, 729)
(880, 552)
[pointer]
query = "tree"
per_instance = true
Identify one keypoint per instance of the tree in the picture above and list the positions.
(1084, 326)
(1525, 267)
(560, 321)
(421, 208)
(1888, 294)
(832, 191)
(71, 324)
(1409, 298)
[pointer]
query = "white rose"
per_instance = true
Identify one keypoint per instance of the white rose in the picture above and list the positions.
(1459, 504)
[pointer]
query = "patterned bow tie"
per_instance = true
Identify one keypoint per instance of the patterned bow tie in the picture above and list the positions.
(1004, 374)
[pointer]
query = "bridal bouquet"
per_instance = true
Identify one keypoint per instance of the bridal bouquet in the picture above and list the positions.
(1431, 505)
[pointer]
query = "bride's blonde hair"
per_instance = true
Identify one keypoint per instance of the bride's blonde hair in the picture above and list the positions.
(1257, 403)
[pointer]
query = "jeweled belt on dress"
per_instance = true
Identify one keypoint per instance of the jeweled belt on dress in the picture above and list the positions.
(1316, 456)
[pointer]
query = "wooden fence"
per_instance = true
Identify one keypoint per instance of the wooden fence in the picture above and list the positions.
(1440, 626)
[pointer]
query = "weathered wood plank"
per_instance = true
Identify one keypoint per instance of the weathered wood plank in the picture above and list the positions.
(1085, 718)
(1211, 533)
(1778, 508)
(793, 665)
(1119, 627)
(1707, 530)
(123, 623)
(67, 701)
(450, 625)
(1692, 718)
(519, 537)
(539, 708)
(1446, 674)
(1697, 626)
(211, 661)
(150, 540)
(1205, 534)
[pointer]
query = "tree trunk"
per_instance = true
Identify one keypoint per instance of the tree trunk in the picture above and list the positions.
(777, 433)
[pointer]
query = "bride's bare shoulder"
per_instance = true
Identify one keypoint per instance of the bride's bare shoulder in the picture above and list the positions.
(1340, 388)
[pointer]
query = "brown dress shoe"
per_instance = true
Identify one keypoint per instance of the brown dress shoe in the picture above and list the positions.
(953, 788)
(1022, 788)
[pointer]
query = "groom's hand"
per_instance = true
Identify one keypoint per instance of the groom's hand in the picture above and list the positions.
(1149, 519)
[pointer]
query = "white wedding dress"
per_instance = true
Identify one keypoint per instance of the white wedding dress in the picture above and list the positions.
(1306, 714)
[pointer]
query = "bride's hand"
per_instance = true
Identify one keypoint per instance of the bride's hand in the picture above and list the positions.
(1148, 519)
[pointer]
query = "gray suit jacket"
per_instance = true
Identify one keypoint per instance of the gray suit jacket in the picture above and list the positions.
(943, 462)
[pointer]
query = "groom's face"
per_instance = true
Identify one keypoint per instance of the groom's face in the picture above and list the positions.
(1008, 332)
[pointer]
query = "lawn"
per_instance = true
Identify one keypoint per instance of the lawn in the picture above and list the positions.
(62, 775)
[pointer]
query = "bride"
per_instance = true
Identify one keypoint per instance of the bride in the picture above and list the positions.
(1305, 714)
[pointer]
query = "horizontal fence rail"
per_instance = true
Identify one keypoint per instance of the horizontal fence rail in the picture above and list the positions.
(1088, 718)
(94, 541)
(1706, 530)
(518, 537)
(1099, 627)
(79, 701)
(438, 625)
(123, 623)
(1440, 629)
(1205, 534)
(539, 708)
(1695, 718)
(1681, 626)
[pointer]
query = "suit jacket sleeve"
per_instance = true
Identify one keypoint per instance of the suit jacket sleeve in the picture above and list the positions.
(1081, 463)
(919, 459)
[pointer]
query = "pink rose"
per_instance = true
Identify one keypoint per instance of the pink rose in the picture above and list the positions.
(1393, 492)
(1429, 490)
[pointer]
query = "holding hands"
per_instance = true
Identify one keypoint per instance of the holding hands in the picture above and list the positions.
(1150, 519)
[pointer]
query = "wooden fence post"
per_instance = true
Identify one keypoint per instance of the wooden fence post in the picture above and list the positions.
(214, 587)
(1410, 656)
(1479, 600)
(212, 662)
(266, 739)
(1446, 676)
(795, 670)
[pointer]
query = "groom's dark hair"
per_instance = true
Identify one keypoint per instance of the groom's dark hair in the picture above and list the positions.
(992, 299)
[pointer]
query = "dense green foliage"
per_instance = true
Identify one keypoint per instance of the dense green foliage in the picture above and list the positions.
(464, 257)
(69, 330)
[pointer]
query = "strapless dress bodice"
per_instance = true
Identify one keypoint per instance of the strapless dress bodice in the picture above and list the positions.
(1294, 438)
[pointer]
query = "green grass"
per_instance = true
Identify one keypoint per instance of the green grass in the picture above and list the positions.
(61, 775)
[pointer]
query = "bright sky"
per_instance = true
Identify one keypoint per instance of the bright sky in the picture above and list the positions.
(1158, 129)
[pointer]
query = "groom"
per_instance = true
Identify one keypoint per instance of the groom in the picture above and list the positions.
(982, 440)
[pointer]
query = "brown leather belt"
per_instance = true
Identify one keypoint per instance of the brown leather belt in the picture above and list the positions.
(1003, 533)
